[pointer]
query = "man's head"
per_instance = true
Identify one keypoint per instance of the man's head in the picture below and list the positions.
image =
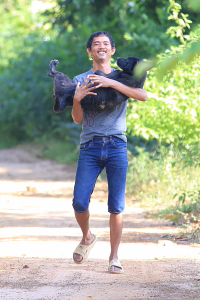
(98, 33)
(101, 46)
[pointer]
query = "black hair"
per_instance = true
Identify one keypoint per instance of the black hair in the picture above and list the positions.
(98, 33)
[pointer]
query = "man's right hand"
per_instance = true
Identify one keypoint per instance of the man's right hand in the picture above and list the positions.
(80, 93)
(84, 90)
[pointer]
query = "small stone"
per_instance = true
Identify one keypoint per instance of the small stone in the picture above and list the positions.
(25, 267)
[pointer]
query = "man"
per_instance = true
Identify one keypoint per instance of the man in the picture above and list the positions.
(103, 144)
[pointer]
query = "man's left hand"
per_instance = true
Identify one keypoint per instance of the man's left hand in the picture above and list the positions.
(101, 80)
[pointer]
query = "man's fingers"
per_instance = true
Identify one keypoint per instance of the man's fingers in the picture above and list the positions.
(93, 76)
(85, 81)
(97, 81)
(89, 84)
(99, 85)
(94, 81)
(93, 88)
(91, 93)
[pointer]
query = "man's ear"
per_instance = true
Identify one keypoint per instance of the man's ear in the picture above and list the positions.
(89, 51)
(113, 50)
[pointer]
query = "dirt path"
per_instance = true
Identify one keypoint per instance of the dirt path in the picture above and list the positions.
(38, 234)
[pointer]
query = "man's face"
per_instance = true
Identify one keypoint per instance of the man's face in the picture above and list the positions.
(101, 50)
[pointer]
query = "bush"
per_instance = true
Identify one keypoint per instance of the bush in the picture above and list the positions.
(170, 115)
(163, 182)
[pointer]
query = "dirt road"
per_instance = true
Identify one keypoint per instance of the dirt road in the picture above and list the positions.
(38, 234)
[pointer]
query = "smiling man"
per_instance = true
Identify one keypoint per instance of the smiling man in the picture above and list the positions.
(103, 145)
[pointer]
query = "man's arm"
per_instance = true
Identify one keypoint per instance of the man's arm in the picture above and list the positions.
(77, 112)
(135, 93)
(80, 93)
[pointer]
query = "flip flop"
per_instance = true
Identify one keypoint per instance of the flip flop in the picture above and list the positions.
(115, 263)
(84, 250)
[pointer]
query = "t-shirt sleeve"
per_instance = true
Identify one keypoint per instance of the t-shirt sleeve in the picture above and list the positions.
(79, 79)
(75, 79)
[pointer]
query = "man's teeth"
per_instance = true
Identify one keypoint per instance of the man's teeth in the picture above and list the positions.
(102, 52)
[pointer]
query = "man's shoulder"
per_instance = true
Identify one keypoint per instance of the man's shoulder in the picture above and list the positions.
(81, 77)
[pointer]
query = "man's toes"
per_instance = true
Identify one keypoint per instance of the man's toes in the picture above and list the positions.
(77, 257)
(113, 268)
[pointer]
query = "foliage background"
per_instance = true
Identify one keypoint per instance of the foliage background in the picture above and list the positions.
(30, 38)
(34, 32)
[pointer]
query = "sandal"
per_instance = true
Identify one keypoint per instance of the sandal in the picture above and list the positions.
(115, 263)
(84, 250)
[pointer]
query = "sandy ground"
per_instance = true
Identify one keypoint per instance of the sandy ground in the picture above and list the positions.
(38, 234)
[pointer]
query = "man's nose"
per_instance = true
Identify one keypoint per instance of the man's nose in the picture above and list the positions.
(101, 45)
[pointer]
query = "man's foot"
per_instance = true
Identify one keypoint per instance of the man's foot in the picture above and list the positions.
(82, 250)
(114, 264)
(115, 267)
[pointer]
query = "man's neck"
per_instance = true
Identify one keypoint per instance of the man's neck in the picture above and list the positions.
(104, 67)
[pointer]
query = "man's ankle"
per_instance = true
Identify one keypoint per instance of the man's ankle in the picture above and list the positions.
(87, 239)
(113, 256)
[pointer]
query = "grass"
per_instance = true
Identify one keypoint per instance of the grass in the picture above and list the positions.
(7, 142)
(165, 185)
(62, 151)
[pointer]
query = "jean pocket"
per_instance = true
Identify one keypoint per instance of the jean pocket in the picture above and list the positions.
(85, 146)
(119, 143)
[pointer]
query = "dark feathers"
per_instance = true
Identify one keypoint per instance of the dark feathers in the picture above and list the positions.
(64, 87)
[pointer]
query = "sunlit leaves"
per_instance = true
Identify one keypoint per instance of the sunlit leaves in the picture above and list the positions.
(181, 54)
(194, 4)
(171, 112)
(189, 51)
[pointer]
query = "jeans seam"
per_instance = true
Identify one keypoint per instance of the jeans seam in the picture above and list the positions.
(114, 144)
(90, 144)
(119, 147)
(111, 212)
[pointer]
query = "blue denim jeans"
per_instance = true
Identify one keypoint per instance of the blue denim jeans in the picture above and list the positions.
(111, 153)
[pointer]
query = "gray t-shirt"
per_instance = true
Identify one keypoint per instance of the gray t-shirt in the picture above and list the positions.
(104, 123)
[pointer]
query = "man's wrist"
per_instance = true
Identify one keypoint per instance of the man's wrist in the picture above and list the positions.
(112, 83)
(76, 100)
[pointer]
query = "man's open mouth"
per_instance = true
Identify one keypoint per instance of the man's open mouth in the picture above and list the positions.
(101, 52)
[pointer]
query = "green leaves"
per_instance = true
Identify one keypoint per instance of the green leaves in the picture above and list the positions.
(171, 112)
(193, 4)
(28, 41)
(182, 54)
